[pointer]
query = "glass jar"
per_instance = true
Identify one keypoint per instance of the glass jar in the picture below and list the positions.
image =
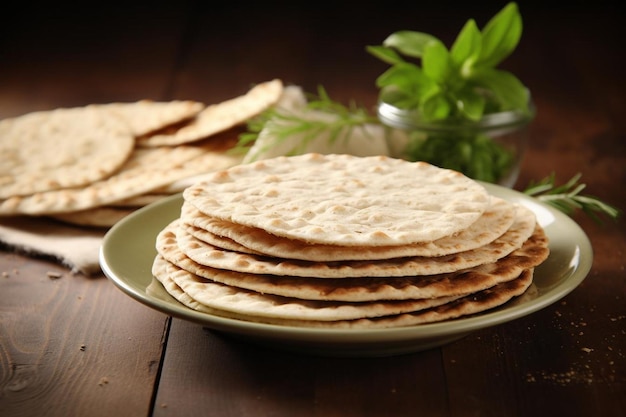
(489, 150)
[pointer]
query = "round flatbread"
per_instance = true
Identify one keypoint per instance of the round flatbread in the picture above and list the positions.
(146, 116)
(241, 301)
(234, 303)
(145, 170)
(343, 199)
(496, 220)
(218, 241)
(219, 117)
(140, 200)
(208, 255)
(533, 252)
(62, 148)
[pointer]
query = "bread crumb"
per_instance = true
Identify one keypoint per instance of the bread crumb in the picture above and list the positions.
(586, 349)
(54, 275)
(103, 381)
(83, 347)
(571, 376)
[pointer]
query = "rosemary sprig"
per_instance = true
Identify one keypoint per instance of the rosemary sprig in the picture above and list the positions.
(254, 126)
(568, 198)
(284, 124)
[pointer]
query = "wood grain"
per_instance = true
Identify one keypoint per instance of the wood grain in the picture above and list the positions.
(68, 346)
(235, 378)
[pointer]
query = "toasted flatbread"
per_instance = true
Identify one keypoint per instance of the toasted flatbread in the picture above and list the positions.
(219, 117)
(146, 116)
(494, 222)
(532, 253)
(241, 301)
(235, 303)
(62, 148)
(146, 170)
(205, 254)
(343, 199)
(140, 200)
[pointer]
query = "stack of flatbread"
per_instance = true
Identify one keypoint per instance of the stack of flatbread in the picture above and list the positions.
(339, 241)
(95, 164)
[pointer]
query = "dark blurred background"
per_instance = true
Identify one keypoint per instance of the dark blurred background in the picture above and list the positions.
(210, 51)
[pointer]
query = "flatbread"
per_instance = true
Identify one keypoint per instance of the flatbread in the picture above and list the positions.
(94, 217)
(227, 298)
(532, 253)
(145, 116)
(62, 148)
(219, 117)
(217, 241)
(145, 170)
(205, 254)
(496, 220)
(470, 305)
(230, 302)
(140, 200)
(343, 199)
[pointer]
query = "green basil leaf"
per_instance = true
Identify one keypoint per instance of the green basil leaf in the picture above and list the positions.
(436, 62)
(409, 43)
(466, 47)
(436, 107)
(405, 85)
(506, 88)
(470, 104)
(402, 75)
(500, 36)
(385, 54)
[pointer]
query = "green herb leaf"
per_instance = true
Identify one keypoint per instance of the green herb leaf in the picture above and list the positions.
(385, 54)
(505, 88)
(466, 47)
(470, 104)
(406, 86)
(500, 36)
(403, 76)
(409, 43)
(436, 62)
(436, 107)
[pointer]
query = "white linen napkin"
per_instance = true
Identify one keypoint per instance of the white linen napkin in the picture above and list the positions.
(75, 247)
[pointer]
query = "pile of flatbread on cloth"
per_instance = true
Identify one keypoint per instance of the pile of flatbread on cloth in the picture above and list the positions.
(342, 241)
(68, 174)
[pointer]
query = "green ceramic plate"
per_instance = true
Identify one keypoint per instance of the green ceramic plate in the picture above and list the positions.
(129, 248)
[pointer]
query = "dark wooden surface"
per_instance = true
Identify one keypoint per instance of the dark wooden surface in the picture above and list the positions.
(77, 346)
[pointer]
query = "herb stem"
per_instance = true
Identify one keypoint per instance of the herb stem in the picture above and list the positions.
(568, 198)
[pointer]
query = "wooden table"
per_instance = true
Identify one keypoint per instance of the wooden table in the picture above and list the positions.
(78, 346)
